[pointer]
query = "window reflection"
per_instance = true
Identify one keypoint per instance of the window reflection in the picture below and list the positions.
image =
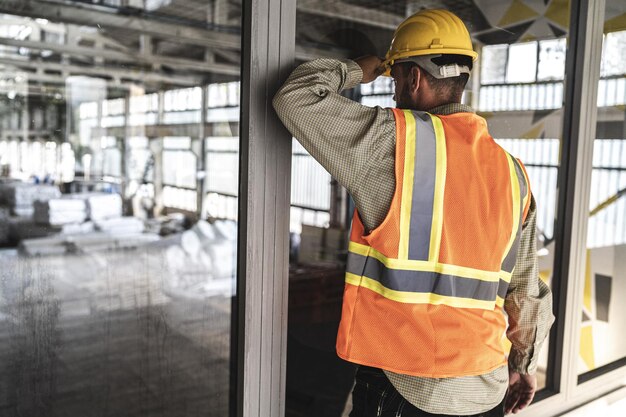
(517, 87)
(118, 210)
(522, 63)
(551, 60)
(493, 69)
(602, 325)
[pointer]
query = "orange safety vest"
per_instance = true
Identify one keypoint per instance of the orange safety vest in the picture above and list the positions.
(425, 289)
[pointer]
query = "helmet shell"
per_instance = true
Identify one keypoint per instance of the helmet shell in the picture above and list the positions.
(430, 32)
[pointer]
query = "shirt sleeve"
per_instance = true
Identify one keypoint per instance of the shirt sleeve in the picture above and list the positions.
(353, 142)
(528, 302)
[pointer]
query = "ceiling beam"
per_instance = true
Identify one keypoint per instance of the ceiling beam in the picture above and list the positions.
(84, 15)
(95, 52)
(90, 16)
(351, 13)
(53, 81)
(230, 56)
(138, 76)
(161, 130)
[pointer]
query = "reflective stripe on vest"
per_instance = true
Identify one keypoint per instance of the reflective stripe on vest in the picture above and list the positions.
(424, 171)
(520, 197)
(416, 275)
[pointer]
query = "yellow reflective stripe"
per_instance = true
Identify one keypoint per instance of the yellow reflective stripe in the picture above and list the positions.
(407, 185)
(413, 265)
(353, 279)
(360, 249)
(527, 195)
(417, 298)
(499, 301)
(440, 184)
(515, 192)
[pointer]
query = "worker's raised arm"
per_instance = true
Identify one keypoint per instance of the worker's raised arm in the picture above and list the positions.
(342, 135)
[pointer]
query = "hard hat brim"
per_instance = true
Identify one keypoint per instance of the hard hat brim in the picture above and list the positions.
(387, 63)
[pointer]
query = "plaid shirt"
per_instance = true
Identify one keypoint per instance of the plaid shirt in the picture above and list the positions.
(356, 145)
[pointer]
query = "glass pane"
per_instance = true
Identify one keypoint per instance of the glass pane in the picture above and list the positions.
(522, 63)
(613, 60)
(119, 159)
(523, 115)
(494, 66)
(551, 60)
(602, 322)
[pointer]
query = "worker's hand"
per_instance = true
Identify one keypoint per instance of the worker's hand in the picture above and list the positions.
(372, 67)
(521, 391)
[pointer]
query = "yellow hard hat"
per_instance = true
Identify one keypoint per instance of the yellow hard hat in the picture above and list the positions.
(429, 32)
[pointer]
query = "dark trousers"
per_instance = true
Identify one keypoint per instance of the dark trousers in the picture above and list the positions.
(375, 396)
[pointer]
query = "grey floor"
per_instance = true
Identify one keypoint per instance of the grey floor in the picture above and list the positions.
(98, 335)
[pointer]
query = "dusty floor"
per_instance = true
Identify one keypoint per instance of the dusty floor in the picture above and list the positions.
(98, 335)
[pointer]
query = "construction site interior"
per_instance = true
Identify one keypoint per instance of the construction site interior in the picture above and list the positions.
(120, 195)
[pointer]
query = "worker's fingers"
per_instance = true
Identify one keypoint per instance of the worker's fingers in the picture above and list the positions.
(520, 393)
(380, 69)
(524, 401)
(512, 399)
(371, 66)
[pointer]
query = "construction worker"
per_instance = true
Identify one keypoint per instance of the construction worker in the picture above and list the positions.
(442, 245)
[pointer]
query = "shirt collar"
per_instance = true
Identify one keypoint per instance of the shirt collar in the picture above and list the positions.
(451, 108)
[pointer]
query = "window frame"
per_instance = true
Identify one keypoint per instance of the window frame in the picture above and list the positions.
(265, 159)
(259, 339)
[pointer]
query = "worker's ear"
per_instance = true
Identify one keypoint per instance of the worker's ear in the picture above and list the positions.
(414, 78)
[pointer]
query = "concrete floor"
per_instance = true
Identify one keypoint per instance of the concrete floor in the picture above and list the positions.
(98, 335)
(116, 334)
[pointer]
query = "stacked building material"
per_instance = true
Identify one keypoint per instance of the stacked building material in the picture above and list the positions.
(21, 228)
(120, 226)
(20, 197)
(311, 244)
(171, 224)
(202, 262)
(320, 244)
(74, 228)
(98, 241)
(223, 254)
(43, 246)
(83, 243)
(76, 208)
(102, 206)
(60, 211)
(72, 211)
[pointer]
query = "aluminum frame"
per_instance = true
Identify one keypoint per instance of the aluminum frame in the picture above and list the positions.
(583, 132)
(268, 54)
(610, 377)
(268, 46)
(579, 127)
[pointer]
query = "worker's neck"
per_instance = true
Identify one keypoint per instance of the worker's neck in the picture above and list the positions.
(441, 104)
(440, 101)
(429, 100)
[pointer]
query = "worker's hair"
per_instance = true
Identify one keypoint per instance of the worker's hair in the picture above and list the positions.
(450, 88)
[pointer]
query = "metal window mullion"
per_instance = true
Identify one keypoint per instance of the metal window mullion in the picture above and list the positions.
(587, 86)
(574, 180)
(579, 129)
(202, 161)
(268, 47)
(538, 54)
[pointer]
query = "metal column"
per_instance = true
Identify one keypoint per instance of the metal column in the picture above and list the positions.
(263, 245)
